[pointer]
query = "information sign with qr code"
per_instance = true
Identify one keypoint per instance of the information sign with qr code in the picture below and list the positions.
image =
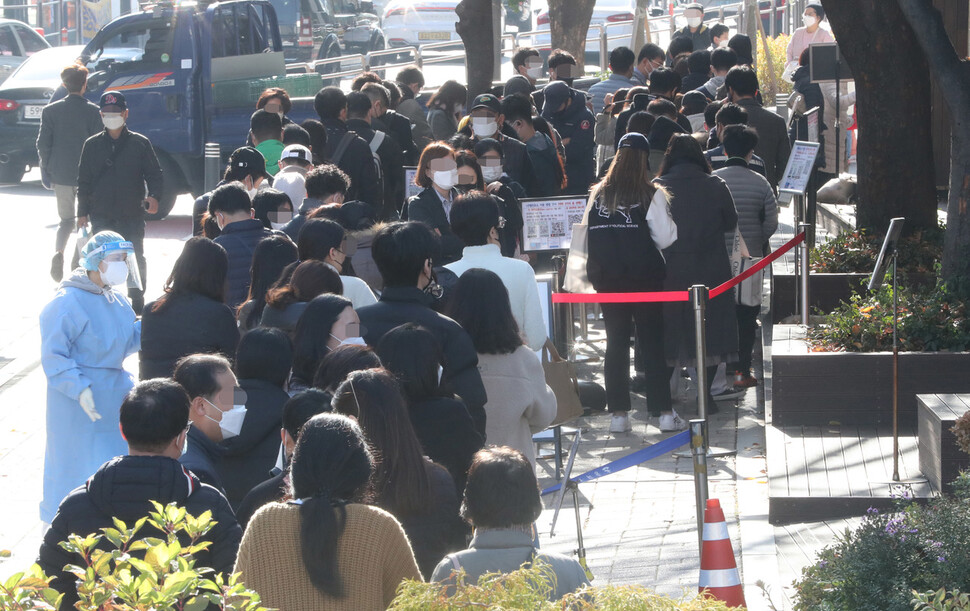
(548, 222)
(411, 189)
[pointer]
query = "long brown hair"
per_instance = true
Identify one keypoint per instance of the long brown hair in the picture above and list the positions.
(309, 279)
(628, 182)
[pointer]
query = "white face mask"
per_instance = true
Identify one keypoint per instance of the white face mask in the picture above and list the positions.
(352, 341)
(723, 44)
(232, 420)
(460, 110)
(252, 193)
(116, 273)
(695, 21)
(808, 20)
(484, 127)
(277, 226)
(113, 120)
(446, 179)
(491, 173)
(534, 72)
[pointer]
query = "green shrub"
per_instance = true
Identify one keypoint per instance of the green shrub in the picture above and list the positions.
(779, 49)
(857, 251)
(941, 600)
(882, 562)
(928, 321)
(528, 588)
(138, 574)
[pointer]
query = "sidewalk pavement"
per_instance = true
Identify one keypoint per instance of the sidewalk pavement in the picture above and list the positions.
(639, 525)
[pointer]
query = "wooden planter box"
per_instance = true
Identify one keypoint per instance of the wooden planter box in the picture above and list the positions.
(940, 458)
(816, 388)
(825, 291)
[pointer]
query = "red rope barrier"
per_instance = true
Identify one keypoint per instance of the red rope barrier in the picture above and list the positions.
(661, 296)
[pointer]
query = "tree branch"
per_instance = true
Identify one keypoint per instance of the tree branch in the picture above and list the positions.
(948, 70)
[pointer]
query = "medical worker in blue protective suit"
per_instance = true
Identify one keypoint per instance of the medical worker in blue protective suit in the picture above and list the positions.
(87, 330)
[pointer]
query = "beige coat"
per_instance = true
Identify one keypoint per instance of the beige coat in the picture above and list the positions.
(519, 401)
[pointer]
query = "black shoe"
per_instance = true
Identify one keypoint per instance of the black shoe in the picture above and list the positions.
(57, 267)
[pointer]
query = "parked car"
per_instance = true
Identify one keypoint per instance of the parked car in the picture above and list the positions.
(412, 23)
(18, 41)
(23, 97)
(605, 12)
(319, 29)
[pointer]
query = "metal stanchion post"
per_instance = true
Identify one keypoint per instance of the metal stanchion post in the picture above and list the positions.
(213, 165)
(698, 445)
(803, 263)
(698, 301)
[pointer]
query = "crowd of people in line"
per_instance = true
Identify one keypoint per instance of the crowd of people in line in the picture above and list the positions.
(347, 377)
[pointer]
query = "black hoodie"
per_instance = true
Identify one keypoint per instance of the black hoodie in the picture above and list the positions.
(123, 488)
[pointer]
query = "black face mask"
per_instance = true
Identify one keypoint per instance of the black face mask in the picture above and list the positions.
(464, 188)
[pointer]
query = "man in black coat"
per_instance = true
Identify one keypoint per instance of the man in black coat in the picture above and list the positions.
(64, 126)
(398, 126)
(215, 413)
(153, 422)
(403, 252)
(232, 208)
(114, 168)
(487, 121)
(348, 151)
(359, 121)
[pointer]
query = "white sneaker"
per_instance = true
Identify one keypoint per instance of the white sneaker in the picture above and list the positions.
(620, 423)
(672, 422)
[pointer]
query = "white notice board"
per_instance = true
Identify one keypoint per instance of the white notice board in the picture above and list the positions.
(799, 168)
(412, 189)
(548, 222)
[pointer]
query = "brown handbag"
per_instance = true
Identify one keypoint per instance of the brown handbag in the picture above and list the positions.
(561, 378)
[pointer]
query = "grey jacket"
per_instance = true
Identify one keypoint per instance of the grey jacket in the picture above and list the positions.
(755, 203)
(64, 126)
(420, 130)
(773, 144)
(505, 551)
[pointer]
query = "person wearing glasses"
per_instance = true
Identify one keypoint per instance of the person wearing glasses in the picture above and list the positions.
(155, 424)
(649, 59)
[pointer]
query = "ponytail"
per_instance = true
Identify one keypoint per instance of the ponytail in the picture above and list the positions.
(320, 530)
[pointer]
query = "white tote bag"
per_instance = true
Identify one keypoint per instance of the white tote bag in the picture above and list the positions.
(576, 280)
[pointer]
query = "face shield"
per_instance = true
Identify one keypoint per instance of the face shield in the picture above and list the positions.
(114, 254)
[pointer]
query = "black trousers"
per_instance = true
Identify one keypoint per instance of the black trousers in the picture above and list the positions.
(747, 326)
(132, 230)
(618, 319)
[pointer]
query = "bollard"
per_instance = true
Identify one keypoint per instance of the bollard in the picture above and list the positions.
(583, 322)
(63, 36)
(604, 49)
(698, 449)
(213, 165)
(698, 300)
(781, 105)
(803, 262)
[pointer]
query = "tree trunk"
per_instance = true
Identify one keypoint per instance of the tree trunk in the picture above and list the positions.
(952, 75)
(895, 151)
(568, 25)
(475, 28)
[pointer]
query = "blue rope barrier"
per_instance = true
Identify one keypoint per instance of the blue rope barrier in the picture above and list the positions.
(662, 447)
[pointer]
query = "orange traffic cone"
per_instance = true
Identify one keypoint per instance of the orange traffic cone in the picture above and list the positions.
(719, 572)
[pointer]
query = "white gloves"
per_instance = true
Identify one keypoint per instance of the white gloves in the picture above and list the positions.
(87, 404)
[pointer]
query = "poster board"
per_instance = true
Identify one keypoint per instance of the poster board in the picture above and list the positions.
(825, 63)
(411, 189)
(799, 168)
(547, 222)
(886, 252)
(811, 118)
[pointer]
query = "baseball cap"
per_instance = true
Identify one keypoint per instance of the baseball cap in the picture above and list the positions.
(250, 159)
(633, 140)
(489, 101)
(297, 151)
(113, 101)
(697, 6)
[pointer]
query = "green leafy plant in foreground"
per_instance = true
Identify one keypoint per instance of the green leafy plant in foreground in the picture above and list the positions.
(941, 600)
(138, 574)
(529, 588)
(857, 251)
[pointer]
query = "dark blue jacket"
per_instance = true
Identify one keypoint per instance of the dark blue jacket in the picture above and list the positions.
(575, 123)
(240, 240)
(201, 456)
(426, 207)
(122, 488)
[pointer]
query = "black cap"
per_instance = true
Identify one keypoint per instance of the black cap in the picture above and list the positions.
(249, 159)
(634, 140)
(489, 101)
(113, 98)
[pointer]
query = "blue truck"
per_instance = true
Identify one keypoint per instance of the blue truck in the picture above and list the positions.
(191, 74)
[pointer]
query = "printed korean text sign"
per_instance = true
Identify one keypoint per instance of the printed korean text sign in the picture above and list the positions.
(548, 222)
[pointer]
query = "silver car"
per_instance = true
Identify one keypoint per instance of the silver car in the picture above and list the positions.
(18, 41)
